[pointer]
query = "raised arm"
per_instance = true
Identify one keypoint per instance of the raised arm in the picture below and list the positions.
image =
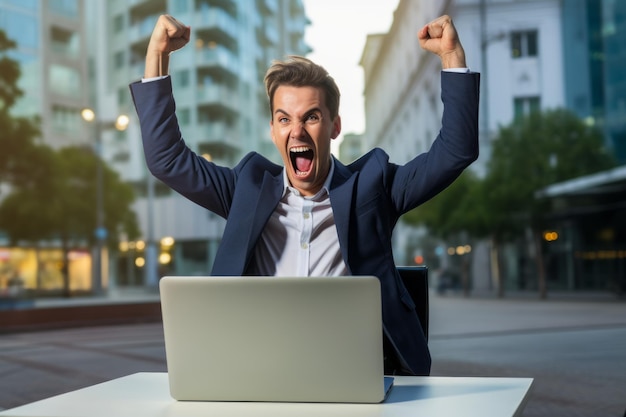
(169, 35)
(441, 38)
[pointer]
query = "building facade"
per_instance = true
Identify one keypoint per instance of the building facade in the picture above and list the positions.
(51, 49)
(595, 62)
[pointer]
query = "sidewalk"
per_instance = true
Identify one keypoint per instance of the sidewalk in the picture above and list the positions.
(455, 315)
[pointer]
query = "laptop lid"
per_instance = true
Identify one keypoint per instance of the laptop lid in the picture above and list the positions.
(274, 339)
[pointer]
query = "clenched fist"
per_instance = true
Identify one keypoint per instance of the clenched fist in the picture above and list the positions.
(169, 35)
(441, 38)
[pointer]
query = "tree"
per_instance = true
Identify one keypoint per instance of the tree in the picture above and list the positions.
(17, 141)
(528, 155)
(455, 213)
(62, 205)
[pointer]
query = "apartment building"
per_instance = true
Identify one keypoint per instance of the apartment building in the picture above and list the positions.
(50, 48)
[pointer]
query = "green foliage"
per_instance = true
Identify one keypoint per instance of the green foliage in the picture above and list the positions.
(532, 153)
(53, 193)
(19, 155)
(528, 155)
(9, 74)
(63, 204)
(454, 210)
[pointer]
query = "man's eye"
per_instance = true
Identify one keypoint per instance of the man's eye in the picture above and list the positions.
(312, 118)
(283, 120)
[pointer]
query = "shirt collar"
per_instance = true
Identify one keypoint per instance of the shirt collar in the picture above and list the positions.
(325, 188)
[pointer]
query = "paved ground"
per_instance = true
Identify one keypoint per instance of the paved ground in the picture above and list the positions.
(575, 350)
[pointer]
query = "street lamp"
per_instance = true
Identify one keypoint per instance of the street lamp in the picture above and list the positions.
(101, 233)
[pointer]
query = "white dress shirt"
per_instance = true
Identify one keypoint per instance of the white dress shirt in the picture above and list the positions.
(300, 238)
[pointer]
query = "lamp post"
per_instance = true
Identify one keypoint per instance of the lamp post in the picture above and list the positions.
(151, 267)
(101, 232)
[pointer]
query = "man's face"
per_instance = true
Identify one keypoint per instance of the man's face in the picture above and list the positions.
(302, 129)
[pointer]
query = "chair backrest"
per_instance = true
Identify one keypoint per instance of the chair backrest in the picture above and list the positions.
(415, 279)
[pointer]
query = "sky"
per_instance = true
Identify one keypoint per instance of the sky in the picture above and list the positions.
(337, 35)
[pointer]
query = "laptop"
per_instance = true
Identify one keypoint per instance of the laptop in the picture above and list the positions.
(280, 339)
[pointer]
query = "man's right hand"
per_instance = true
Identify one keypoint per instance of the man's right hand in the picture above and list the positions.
(169, 35)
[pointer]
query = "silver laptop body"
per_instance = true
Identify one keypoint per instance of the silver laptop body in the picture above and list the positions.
(293, 339)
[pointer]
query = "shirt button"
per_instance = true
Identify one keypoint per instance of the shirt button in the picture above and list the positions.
(306, 215)
(304, 245)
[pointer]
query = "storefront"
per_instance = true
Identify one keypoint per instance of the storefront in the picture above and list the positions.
(586, 245)
(40, 271)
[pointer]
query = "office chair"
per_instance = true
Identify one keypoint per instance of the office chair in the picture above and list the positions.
(415, 279)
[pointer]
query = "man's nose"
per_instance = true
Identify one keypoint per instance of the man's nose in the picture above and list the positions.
(298, 129)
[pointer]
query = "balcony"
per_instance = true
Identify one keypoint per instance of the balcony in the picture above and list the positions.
(219, 96)
(216, 132)
(267, 7)
(140, 31)
(267, 35)
(216, 20)
(219, 141)
(219, 57)
(230, 6)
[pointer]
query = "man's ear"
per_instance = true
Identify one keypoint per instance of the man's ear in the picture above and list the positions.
(336, 127)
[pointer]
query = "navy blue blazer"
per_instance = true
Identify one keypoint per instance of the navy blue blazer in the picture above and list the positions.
(367, 196)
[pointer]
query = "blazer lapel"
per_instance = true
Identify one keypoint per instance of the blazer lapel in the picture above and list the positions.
(269, 195)
(245, 228)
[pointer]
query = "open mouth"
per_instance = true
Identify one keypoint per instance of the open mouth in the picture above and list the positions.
(301, 159)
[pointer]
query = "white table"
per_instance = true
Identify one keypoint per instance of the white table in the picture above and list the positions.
(147, 394)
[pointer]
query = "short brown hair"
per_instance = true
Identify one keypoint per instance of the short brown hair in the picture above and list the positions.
(297, 71)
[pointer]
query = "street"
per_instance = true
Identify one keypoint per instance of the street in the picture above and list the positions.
(575, 350)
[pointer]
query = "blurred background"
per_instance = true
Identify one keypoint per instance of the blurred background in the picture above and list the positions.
(543, 209)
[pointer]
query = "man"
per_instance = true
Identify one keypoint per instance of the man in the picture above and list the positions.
(314, 215)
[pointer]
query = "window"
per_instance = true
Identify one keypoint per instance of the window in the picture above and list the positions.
(184, 116)
(20, 26)
(64, 42)
(67, 8)
(181, 78)
(523, 106)
(118, 59)
(180, 6)
(65, 119)
(64, 80)
(524, 44)
(118, 23)
(123, 98)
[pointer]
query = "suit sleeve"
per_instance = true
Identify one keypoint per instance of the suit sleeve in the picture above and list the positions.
(454, 149)
(168, 157)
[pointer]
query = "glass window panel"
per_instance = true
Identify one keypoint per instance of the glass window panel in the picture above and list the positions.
(67, 8)
(534, 104)
(118, 23)
(180, 6)
(32, 5)
(21, 28)
(532, 43)
(516, 45)
(64, 80)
